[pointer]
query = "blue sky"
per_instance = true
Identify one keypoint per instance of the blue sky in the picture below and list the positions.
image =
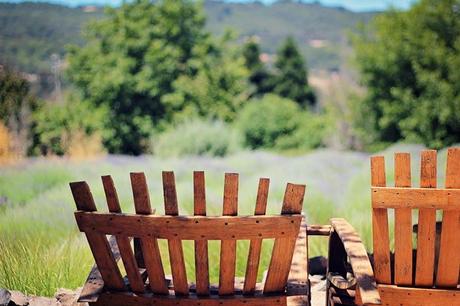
(355, 5)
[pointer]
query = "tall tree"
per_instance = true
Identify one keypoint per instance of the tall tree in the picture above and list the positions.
(131, 61)
(410, 63)
(291, 79)
(259, 76)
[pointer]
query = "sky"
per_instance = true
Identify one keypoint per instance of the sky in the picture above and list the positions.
(354, 5)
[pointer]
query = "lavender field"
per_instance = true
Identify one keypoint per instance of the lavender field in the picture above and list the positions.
(40, 246)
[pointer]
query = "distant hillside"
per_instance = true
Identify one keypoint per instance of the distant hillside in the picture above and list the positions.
(31, 32)
(320, 30)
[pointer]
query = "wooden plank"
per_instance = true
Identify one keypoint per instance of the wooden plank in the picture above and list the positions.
(426, 236)
(149, 245)
(123, 242)
(201, 246)
(298, 282)
(393, 295)
(318, 230)
(449, 255)
(190, 227)
(255, 245)
(380, 233)
(123, 299)
(98, 242)
(176, 254)
(228, 247)
(359, 261)
(94, 284)
(403, 224)
(283, 248)
(446, 199)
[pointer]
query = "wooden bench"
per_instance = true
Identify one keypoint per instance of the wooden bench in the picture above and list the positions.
(286, 281)
(418, 274)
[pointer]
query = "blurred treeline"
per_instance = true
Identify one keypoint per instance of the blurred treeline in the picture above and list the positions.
(151, 78)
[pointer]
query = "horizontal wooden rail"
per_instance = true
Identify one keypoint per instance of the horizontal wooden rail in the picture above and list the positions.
(402, 197)
(318, 230)
(394, 295)
(190, 227)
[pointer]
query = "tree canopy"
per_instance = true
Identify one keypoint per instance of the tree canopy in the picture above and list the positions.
(131, 61)
(410, 64)
(291, 78)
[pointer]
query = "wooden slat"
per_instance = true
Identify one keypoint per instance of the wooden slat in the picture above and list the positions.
(449, 255)
(394, 295)
(201, 246)
(150, 250)
(403, 224)
(380, 233)
(424, 269)
(228, 247)
(176, 254)
(123, 299)
(359, 261)
(298, 282)
(123, 242)
(98, 242)
(446, 199)
(190, 227)
(255, 245)
(283, 248)
(94, 284)
(318, 230)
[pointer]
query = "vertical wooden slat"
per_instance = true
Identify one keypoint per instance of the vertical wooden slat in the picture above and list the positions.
(255, 245)
(283, 248)
(201, 246)
(176, 254)
(228, 247)
(449, 254)
(150, 250)
(403, 224)
(380, 233)
(424, 269)
(98, 242)
(123, 242)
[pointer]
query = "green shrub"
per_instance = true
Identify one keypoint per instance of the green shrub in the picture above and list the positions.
(197, 137)
(278, 123)
(73, 128)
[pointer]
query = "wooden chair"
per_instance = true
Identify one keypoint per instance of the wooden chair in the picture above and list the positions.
(286, 282)
(418, 274)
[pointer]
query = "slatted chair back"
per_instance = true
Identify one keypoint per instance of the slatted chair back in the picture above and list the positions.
(146, 228)
(429, 268)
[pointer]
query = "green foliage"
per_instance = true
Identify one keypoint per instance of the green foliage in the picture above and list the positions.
(31, 32)
(131, 61)
(15, 98)
(410, 62)
(260, 77)
(57, 125)
(217, 90)
(279, 123)
(197, 137)
(291, 75)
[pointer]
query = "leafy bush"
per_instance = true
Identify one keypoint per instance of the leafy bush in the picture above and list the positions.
(409, 62)
(75, 128)
(197, 137)
(279, 123)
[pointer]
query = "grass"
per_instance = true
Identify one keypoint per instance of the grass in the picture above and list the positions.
(41, 249)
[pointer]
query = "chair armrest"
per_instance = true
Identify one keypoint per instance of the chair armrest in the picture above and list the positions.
(94, 284)
(359, 261)
(298, 283)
